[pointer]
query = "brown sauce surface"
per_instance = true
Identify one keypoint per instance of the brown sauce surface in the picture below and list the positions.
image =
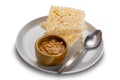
(52, 46)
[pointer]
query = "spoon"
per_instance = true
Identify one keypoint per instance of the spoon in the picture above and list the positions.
(92, 41)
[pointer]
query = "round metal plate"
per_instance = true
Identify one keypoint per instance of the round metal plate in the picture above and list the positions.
(32, 31)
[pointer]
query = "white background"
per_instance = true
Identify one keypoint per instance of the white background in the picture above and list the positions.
(103, 14)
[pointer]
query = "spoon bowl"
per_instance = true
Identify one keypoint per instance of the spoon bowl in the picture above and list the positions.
(93, 39)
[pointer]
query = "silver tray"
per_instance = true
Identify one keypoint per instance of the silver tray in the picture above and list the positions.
(32, 31)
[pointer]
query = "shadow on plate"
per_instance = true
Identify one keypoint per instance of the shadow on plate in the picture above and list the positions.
(52, 74)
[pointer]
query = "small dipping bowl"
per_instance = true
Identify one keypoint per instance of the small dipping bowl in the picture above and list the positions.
(50, 59)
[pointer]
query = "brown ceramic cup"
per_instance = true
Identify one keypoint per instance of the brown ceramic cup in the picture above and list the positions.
(48, 59)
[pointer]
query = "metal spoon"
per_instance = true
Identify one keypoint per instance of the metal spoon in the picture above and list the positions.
(92, 41)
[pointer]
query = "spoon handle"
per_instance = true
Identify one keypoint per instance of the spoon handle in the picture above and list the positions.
(74, 57)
